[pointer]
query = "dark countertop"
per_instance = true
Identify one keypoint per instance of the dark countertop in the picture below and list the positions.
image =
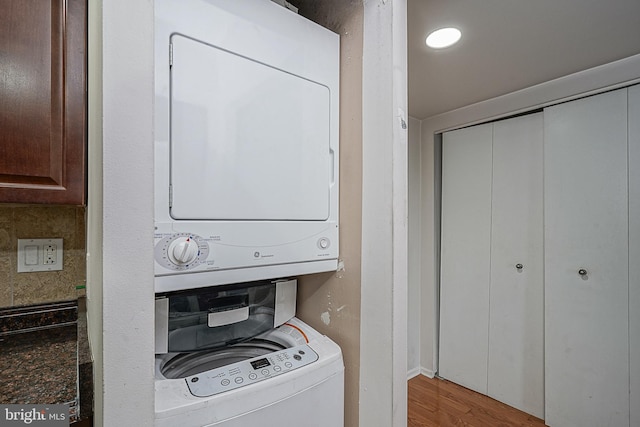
(44, 357)
(39, 367)
(85, 364)
(15, 320)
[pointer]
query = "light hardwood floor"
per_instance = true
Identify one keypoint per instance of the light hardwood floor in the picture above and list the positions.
(436, 402)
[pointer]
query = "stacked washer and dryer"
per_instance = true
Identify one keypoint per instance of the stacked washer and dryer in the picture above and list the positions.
(246, 198)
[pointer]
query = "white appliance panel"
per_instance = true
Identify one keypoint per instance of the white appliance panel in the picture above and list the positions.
(248, 141)
(301, 409)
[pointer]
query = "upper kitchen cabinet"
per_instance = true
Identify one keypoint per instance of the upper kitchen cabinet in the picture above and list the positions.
(42, 101)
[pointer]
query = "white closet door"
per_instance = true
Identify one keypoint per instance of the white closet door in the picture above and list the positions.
(516, 342)
(465, 256)
(586, 228)
(634, 252)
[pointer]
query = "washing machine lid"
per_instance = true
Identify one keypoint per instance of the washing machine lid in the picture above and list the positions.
(219, 317)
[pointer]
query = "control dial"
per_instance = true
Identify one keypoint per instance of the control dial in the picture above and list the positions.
(183, 250)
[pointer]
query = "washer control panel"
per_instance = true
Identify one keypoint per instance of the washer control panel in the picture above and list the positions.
(250, 371)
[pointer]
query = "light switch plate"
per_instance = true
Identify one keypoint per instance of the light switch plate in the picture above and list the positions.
(39, 255)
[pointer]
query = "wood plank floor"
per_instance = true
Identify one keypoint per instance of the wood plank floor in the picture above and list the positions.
(440, 403)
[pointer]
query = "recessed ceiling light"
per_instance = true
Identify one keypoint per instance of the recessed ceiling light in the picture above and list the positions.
(444, 37)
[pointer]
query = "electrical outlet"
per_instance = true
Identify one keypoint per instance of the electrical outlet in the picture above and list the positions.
(39, 255)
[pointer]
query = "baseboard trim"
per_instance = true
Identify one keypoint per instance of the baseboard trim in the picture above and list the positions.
(413, 373)
(427, 373)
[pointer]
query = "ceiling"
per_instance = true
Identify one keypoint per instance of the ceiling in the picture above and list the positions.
(509, 45)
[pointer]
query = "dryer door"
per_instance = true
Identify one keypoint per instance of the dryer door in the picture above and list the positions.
(248, 141)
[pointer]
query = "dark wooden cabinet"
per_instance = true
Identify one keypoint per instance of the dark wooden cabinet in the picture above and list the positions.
(43, 101)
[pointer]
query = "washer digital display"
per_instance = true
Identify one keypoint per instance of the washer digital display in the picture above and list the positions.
(260, 363)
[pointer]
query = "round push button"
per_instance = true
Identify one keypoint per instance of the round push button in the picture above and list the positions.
(324, 243)
(239, 380)
(225, 382)
(252, 376)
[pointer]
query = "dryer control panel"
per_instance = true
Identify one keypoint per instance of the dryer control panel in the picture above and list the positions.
(250, 371)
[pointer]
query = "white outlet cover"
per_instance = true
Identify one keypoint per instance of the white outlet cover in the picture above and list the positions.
(47, 258)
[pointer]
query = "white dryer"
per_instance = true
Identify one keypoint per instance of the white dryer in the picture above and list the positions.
(246, 143)
(220, 360)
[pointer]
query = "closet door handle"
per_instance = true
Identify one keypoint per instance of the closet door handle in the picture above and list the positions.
(582, 272)
(519, 266)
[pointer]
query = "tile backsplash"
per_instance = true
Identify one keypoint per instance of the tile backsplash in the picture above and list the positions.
(29, 222)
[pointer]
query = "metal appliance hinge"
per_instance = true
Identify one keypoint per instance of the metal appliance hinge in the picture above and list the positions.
(170, 54)
(170, 196)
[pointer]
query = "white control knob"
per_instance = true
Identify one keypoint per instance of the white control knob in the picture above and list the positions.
(183, 250)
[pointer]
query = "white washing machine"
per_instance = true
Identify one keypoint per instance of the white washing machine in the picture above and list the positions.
(287, 376)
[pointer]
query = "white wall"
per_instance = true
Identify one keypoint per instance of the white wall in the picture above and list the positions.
(429, 250)
(94, 206)
(330, 303)
(598, 79)
(120, 232)
(413, 308)
(383, 339)
(400, 123)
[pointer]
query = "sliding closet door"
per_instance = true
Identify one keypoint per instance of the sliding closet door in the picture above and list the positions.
(516, 342)
(586, 262)
(634, 251)
(465, 251)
